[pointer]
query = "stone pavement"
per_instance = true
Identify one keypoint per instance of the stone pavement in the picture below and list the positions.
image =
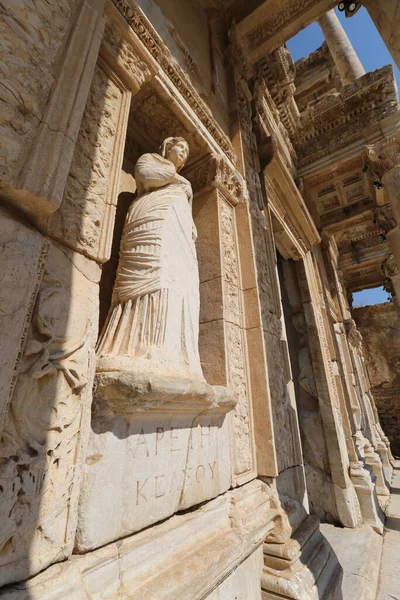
(389, 579)
(360, 552)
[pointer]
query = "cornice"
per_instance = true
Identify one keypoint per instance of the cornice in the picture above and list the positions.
(156, 47)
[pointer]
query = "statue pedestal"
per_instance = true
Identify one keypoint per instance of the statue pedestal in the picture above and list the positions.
(158, 444)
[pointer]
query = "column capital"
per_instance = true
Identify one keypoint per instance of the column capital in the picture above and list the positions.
(213, 171)
(385, 154)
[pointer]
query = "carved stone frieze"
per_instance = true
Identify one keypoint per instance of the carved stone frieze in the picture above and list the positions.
(214, 171)
(274, 123)
(389, 266)
(116, 42)
(154, 44)
(339, 119)
(279, 72)
(290, 11)
(22, 251)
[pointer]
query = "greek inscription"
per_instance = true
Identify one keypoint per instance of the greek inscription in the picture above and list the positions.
(212, 468)
(200, 473)
(141, 442)
(159, 493)
(159, 437)
(174, 437)
(139, 491)
(172, 459)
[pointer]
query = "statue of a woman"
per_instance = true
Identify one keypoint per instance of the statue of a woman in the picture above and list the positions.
(153, 321)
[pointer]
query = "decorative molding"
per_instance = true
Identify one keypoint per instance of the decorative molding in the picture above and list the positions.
(290, 11)
(121, 50)
(215, 172)
(154, 44)
(338, 120)
(107, 229)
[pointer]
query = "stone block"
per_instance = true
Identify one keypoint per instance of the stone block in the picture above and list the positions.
(192, 556)
(158, 445)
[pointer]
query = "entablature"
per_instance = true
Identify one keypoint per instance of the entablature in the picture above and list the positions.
(339, 120)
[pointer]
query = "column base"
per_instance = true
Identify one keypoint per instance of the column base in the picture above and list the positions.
(304, 568)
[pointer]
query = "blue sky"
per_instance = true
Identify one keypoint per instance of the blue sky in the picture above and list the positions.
(363, 35)
(373, 54)
(367, 297)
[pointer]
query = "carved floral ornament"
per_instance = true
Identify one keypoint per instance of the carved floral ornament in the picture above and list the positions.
(154, 44)
(216, 172)
(385, 154)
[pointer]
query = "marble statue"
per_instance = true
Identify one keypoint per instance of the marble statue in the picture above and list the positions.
(154, 314)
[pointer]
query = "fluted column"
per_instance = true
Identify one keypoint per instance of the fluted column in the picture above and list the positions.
(346, 60)
(386, 158)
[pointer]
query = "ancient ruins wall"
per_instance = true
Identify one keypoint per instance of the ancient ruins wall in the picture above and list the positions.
(380, 330)
(69, 468)
(149, 477)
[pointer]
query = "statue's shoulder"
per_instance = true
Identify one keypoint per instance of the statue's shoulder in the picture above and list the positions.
(153, 157)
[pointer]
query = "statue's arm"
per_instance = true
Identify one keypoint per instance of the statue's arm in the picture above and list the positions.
(152, 172)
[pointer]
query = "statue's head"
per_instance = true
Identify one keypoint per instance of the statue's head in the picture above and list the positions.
(175, 149)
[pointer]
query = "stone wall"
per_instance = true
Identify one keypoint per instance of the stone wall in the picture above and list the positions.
(380, 329)
(176, 471)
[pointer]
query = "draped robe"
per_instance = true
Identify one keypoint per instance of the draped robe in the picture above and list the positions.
(154, 316)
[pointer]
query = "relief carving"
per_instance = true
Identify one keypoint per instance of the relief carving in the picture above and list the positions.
(85, 218)
(290, 11)
(116, 43)
(40, 441)
(216, 172)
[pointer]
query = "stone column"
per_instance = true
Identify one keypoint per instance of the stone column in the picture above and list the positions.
(386, 16)
(346, 60)
(386, 158)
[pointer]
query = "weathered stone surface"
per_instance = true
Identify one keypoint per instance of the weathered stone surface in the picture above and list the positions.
(170, 452)
(244, 582)
(380, 330)
(88, 208)
(181, 558)
(46, 431)
(288, 574)
(359, 553)
(389, 580)
(40, 41)
(135, 472)
(386, 19)
(22, 252)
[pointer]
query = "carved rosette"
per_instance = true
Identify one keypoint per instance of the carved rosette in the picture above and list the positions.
(216, 172)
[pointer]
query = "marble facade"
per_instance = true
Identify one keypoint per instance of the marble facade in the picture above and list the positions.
(184, 397)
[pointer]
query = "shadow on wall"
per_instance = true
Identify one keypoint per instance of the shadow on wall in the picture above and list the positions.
(44, 437)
